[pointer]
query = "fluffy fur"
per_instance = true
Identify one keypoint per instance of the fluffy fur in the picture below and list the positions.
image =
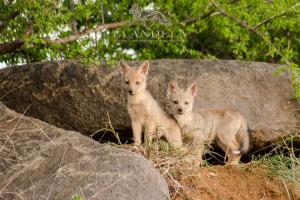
(227, 127)
(144, 110)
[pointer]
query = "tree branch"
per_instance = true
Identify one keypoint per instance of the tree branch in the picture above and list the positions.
(275, 16)
(73, 20)
(242, 23)
(100, 27)
(211, 13)
(9, 47)
(245, 25)
(102, 12)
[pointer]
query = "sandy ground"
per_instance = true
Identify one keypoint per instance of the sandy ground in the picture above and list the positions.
(234, 183)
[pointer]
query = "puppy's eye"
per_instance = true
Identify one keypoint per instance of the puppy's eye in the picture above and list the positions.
(186, 103)
(175, 102)
(137, 82)
(127, 82)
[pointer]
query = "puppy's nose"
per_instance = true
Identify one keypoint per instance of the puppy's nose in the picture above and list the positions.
(130, 92)
(179, 109)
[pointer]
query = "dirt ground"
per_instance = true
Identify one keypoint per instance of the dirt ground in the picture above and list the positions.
(234, 183)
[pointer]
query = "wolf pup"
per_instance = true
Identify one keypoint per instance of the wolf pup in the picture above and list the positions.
(227, 127)
(144, 110)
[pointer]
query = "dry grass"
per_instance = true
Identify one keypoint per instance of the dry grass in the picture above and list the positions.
(174, 164)
(171, 162)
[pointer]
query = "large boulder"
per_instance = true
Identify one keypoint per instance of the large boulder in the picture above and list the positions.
(76, 97)
(40, 161)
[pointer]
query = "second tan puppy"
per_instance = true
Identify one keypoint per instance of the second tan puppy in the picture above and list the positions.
(227, 127)
(143, 109)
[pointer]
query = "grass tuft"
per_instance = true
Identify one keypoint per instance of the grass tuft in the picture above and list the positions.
(76, 197)
(283, 160)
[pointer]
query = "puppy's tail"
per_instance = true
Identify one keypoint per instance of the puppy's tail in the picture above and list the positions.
(243, 137)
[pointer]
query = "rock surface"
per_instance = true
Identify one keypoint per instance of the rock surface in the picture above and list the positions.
(40, 161)
(80, 98)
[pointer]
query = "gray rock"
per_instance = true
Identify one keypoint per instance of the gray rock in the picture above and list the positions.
(40, 161)
(76, 97)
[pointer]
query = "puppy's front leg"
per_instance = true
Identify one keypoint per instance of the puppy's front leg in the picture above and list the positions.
(150, 131)
(137, 132)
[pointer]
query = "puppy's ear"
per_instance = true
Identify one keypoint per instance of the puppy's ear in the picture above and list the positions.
(193, 88)
(172, 86)
(144, 67)
(123, 67)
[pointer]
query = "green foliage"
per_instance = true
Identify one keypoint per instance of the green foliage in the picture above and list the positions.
(227, 29)
(76, 197)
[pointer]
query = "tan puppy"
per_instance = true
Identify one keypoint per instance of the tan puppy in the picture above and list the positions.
(227, 127)
(144, 110)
